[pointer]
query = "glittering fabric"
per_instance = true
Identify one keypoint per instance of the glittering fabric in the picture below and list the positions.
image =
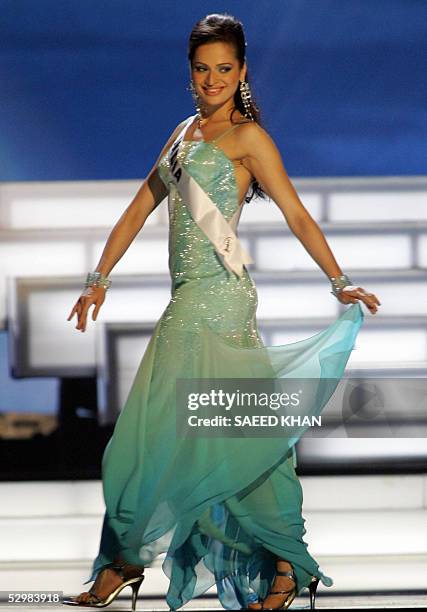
(202, 288)
(222, 508)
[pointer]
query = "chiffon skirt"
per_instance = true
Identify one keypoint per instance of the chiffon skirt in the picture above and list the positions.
(221, 508)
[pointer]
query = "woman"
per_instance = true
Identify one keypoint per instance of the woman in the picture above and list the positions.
(226, 511)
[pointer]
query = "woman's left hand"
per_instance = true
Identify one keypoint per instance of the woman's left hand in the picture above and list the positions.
(351, 296)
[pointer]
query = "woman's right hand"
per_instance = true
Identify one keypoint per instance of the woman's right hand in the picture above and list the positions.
(91, 295)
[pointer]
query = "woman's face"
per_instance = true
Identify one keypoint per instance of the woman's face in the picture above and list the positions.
(216, 73)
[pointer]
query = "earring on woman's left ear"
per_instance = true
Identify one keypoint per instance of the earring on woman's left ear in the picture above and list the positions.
(196, 99)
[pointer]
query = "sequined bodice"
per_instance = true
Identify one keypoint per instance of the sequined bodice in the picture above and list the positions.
(190, 251)
(203, 291)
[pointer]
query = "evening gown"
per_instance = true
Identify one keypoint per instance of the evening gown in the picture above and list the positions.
(221, 508)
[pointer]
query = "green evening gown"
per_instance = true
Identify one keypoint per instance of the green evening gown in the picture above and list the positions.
(221, 508)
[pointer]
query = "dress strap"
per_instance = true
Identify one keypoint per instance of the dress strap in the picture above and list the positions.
(229, 130)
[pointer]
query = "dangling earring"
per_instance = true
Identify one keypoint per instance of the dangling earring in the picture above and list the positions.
(245, 93)
(196, 100)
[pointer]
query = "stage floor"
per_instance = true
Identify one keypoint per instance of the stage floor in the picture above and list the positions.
(323, 602)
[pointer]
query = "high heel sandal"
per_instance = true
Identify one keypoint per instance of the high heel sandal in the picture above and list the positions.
(312, 587)
(290, 594)
(134, 583)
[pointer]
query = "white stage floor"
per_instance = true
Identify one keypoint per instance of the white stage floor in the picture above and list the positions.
(325, 602)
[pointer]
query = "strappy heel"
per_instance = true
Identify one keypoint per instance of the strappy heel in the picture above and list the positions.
(312, 587)
(134, 583)
(290, 595)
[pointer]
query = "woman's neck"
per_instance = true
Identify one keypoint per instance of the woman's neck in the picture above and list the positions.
(218, 115)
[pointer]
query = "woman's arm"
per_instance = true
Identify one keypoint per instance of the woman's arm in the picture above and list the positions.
(150, 194)
(147, 198)
(262, 158)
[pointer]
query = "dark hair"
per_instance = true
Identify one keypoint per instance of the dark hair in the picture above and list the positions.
(222, 27)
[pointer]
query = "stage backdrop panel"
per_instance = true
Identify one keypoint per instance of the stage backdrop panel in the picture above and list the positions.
(92, 90)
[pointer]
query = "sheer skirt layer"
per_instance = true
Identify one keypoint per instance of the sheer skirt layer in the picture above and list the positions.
(221, 508)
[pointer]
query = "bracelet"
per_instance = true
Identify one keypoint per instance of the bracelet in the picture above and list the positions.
(339, 283)
(96, 279)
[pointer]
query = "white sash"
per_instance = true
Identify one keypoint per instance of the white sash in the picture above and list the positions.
(206, 214)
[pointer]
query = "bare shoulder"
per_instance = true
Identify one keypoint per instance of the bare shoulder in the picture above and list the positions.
(252, 136)
(171, 139)
(183, 122)
(168, 144)
(179, 127)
